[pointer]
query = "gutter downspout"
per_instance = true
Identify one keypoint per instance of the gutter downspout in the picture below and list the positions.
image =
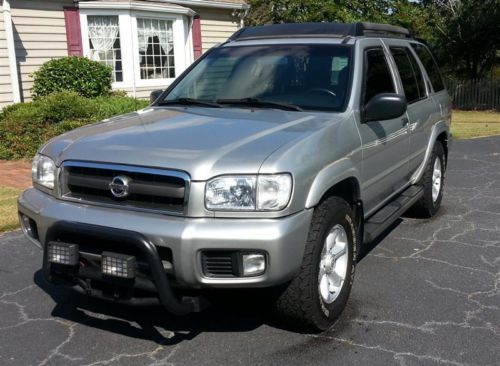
(243, 16)
(11, 49)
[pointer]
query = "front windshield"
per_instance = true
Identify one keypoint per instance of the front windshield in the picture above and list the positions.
(312, 77)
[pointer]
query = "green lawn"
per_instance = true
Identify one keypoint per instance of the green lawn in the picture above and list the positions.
(470, 124)
(8, 208)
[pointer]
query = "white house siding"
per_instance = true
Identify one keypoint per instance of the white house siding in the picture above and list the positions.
(6, 97)
(39, 35)
(217, 25)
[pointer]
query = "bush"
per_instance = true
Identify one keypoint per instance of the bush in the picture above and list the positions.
(106, 107)
(26, 126)
(77, 74)
(62, 106)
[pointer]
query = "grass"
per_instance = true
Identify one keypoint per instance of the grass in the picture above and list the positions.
(8, 208)
(470, 124)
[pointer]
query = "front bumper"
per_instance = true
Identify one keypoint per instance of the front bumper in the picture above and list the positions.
(282, 239)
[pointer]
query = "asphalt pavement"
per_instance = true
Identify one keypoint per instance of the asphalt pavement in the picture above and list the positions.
(427, 293)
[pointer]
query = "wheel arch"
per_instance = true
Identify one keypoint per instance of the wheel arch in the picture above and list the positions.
(332, 181)
(440, 132)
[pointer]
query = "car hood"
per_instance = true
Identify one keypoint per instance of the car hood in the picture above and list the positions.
(204, 142)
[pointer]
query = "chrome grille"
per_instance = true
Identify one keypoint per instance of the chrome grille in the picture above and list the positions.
(149, 189)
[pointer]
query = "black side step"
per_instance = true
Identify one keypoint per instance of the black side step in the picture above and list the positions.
(384, 217)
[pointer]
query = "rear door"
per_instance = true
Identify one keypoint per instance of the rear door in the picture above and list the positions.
(436, 89)
(422, 112)
(385, 143)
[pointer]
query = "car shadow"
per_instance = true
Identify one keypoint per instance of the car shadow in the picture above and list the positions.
(233, 311)
(366, 248)
(239, 313)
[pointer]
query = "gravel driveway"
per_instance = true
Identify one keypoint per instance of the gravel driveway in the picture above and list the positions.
(428, 293)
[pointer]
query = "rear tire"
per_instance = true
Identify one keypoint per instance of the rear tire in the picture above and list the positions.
(315, 298)
(433, 183)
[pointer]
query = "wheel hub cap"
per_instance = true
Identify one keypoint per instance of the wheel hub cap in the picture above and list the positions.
(333, 264)
(436, 180)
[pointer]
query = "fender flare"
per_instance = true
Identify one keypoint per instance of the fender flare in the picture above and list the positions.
(437, 129)
(329, 176)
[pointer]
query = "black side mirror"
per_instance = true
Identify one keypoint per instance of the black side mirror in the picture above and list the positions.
(155, 94)
(384, 106)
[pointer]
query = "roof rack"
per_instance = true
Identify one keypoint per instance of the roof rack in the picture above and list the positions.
(329, 30)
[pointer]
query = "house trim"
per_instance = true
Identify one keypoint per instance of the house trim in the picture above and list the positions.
(212, 4)
(11, 49)
(136, 7)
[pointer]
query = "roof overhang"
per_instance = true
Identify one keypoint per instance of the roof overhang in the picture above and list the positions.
(161, 5)
(211, 4)
(135, 5)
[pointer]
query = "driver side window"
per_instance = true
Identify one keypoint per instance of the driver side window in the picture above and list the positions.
(378, 78)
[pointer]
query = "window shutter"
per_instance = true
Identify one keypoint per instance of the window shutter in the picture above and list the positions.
(73, 31)
(196, 31)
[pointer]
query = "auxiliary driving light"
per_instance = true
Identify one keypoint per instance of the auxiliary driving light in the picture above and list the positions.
(118, 265)
(253, 264)
(63, 253)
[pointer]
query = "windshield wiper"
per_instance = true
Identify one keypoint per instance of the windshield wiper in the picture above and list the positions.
(256, 102)
(190, 101)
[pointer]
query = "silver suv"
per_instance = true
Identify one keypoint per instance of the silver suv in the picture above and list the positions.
(269, 163)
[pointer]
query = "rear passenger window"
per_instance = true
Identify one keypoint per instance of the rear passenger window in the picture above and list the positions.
(430, 66)
(411, 77)
(418, 74)
(378, 78)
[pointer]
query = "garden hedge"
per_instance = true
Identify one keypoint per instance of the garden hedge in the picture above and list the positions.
(26, 126)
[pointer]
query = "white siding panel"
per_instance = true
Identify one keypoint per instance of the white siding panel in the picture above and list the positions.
(4, 71)
(36, 29)
(39, 35)
(217, 25)
(34, 45)
(4, 62)
(26, 20)
(50, 37)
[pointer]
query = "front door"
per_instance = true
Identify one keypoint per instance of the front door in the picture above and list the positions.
(385, 143)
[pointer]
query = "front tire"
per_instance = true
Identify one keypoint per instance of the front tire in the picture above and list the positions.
(315, 298)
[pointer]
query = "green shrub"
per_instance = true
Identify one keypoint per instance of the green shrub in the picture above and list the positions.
(26, 126)
(21, 138)
(77, 74)
(62, 106)
(106, 107)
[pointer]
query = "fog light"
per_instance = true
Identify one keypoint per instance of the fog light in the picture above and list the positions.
(26, 225)
(63, 253)
(118, 265)
(253, 264)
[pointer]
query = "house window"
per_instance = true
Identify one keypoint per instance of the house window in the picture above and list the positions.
(104, 42)
(156, 48)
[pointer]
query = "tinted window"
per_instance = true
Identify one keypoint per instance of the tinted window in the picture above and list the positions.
(378, 78)
(418, 74)
(313, 77)
(407, 74)
(430, 66)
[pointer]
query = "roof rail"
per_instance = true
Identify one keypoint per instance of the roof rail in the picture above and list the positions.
(328, 30)
(376, 30)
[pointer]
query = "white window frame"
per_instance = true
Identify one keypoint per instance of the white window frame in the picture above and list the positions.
(127, 21)
(179, 46)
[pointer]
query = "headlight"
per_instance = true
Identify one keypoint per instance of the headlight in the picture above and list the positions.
(249, 192)
(43, 171)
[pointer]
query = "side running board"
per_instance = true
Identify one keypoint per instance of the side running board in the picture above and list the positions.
(384, 217)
